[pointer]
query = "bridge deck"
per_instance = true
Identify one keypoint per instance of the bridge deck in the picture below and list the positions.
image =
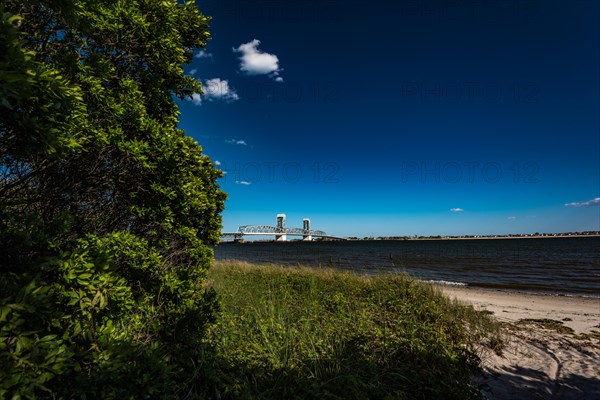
(265, 230)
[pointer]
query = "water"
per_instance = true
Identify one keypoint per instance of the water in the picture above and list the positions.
(567, 266)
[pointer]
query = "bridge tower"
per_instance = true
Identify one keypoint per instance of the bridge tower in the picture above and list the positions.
(280, 227)
(306, 227)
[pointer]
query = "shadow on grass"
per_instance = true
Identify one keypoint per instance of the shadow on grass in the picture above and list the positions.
(349, 374)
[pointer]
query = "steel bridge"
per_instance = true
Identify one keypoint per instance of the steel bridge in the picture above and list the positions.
(280, 232)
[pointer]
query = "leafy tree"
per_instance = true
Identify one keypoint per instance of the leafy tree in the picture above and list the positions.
(107, 209)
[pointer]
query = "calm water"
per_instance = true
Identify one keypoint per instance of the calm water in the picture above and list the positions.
(550, 265)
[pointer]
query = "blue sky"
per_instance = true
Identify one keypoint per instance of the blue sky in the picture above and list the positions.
(403, 118)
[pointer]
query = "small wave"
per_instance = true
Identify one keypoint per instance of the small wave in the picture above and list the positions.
(587, 296)
(447, 283)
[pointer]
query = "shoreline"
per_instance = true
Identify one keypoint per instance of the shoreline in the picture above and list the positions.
(572, 293)
(509, 290)
(582, 314)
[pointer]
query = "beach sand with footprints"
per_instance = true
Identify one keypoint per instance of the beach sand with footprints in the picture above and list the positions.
(552, 348)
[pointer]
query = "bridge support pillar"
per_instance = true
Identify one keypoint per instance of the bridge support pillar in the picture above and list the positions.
(280, 237)
(306, 227)
(238, 238)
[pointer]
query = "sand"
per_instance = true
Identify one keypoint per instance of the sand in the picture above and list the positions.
(552, 345)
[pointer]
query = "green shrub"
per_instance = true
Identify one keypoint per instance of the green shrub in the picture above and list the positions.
(107, 209)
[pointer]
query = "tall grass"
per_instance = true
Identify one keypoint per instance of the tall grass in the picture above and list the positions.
(311, 333)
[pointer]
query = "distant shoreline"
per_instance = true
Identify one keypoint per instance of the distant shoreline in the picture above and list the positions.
(484, 237)
(401, 239)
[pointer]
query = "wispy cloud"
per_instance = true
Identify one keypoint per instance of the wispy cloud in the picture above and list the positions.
(217, 163)
(456, 209)
(512, 217)
(257, 62)
(592, 202)
(193, 71)
(216, 89)
(240, 142)
(203, 54)
(245, 183)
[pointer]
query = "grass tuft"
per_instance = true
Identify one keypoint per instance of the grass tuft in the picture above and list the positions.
(294, 332)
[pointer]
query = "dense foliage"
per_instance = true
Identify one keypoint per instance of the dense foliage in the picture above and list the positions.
(300, 333)
(107, 209)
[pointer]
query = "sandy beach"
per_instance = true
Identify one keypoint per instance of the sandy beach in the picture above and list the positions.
(552, 345)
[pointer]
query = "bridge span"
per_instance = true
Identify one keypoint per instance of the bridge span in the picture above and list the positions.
(279, 231)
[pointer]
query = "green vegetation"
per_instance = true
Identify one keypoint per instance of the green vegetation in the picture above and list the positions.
(107, 209)
(306, 333)
(107, 214)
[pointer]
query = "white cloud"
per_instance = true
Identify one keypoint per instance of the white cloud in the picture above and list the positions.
(592, 202)
(512, 217)
(456, 209)
(240, 142)
(218, 89)
(203, 54)
(256, 62)
(197, 99)
(217, 163)
(246, 183)
(193, 71)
